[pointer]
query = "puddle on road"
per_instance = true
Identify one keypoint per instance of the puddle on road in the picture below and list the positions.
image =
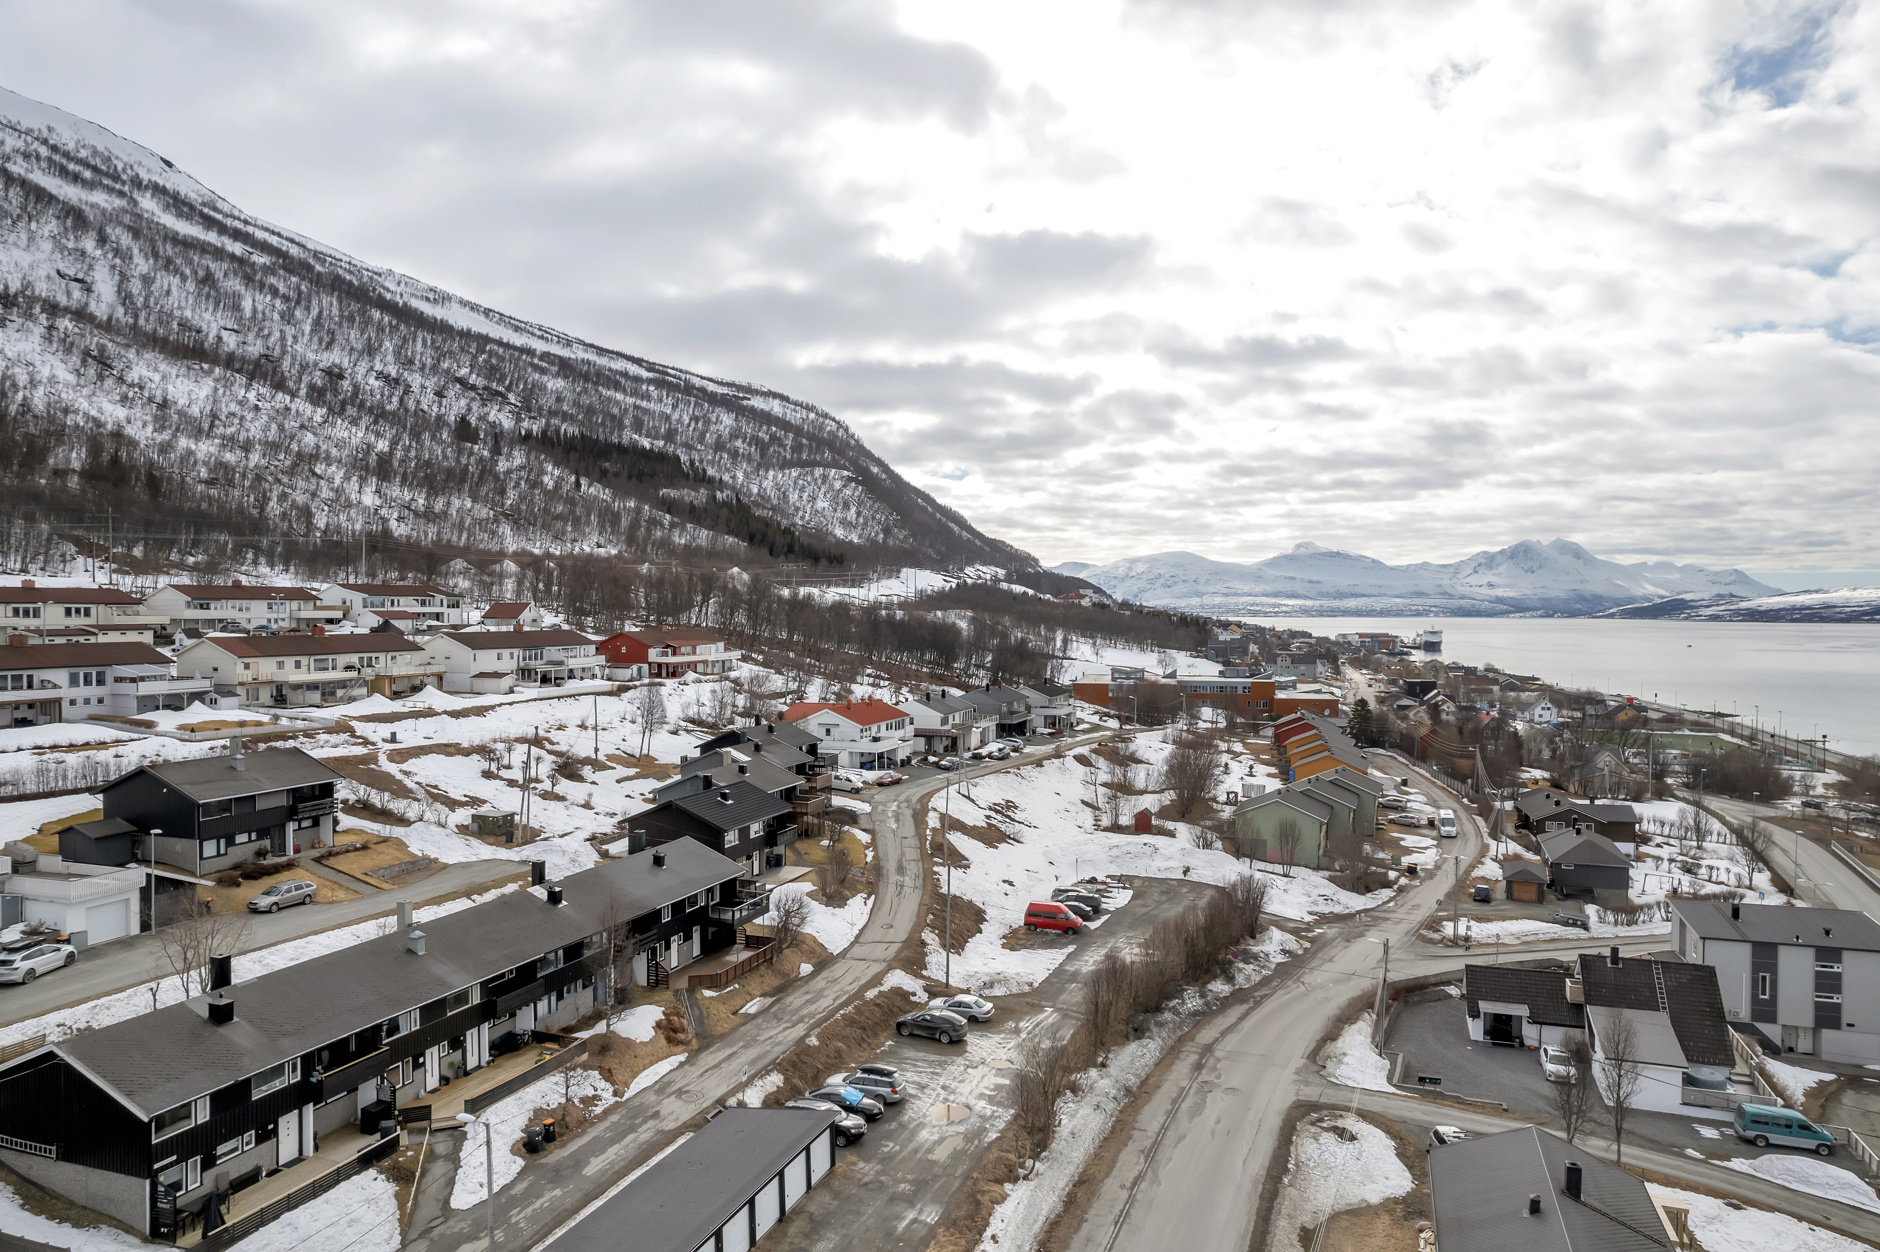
(1001, 1063)
(949, 1112)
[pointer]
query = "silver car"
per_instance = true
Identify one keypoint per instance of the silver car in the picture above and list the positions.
(280, 895)
(26, 964)
(967, 1006)
(874, 1086)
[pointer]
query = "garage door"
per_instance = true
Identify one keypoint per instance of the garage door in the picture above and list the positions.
(1528, 891)
(106, 921)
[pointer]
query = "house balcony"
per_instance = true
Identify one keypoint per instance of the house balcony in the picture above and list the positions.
(319, 613)
(819, 778)
(810, 806)
(162, 686)
(316, 808)
(747, 909)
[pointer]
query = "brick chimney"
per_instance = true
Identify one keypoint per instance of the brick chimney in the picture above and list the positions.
(234, 582)
(27, 582)
(319, 631)
(19, 641)
(516, 627)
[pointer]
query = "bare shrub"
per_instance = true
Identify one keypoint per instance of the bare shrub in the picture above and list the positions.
(1189, 773)
(789, 913)
(1572, 1101)
(184, 949)
(832, 876)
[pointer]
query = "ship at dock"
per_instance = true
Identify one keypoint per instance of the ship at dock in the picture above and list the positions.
(1430, 640)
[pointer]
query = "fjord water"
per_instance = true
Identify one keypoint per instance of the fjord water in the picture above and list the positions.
(1814, 678)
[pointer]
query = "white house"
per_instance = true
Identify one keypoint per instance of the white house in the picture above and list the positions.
(236, 605)
(487, 661)
(97, 902)
(109, 615)
(942, 722)
(43, 683)
(857, 734)
(511, 615)
(1680, 1037)
(312, 670)
(404, 604)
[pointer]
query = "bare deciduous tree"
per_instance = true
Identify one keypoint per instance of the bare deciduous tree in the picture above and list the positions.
(1621, 1075)
(1573, 1101)
(1287, 837)
(833, 874)
(649, 702)
(1189, 773)
(185, 947)
(789, 913)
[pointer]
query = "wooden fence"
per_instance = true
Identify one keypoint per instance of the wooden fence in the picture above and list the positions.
(475, 1104)
(731, 973)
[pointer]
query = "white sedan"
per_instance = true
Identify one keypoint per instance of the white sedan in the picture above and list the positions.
(26, 964)
(971, 1007)
(1557, 1065)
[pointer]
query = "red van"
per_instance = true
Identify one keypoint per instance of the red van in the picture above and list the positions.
(1042, 915)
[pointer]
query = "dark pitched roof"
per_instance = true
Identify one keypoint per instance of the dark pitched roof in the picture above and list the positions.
(240, 591)
(66, 595)
(1522, 871)
(753, 768)
(484, 639)
(1544, 991)
(102, 828)
(1542, 802)
(1479, 1190)
(764, 732)
(1311, 805)
(307, 645)
(53, 655)
(730, 806)
(1355, 778)
(943, 704)
(158, 1060)
(990, 701)
(694, 1189)
(1781, 923)
(1687, 994)
(506, 610)
(394, 589)
(214, 778)
(1580, 847)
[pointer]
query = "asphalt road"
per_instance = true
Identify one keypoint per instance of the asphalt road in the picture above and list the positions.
(132, 961)
(1820, 877)
(1195, 1159)
(556, 1188)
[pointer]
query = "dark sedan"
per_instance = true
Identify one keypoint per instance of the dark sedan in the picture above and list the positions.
(847, 1099)
(849, 1127)
(935, 1024)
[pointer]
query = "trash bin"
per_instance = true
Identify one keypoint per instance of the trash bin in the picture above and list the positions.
(532, 1140)
(548, 1130)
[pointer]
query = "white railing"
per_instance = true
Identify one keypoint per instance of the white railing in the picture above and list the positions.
(47, 1150)
(1708, 1098)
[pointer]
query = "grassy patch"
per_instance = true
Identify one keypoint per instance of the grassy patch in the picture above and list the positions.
(47, 840)
(235, 899)
(369, 852)
(721, 1011)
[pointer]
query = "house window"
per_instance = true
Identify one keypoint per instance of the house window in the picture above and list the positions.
(223, 1151)
(665, 912)
(1828, 967)
(216, 808)
(168, 1122)
(193, 1176)
(214, 847)
(273, 1079)
(459, 1000)
(1762, 986)
(1822, 997)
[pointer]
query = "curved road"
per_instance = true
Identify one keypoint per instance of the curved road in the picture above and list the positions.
(558, 1187)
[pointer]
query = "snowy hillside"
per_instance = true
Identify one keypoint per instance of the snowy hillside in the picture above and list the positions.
(166, 354)
(1557, 577)
(1844, 604)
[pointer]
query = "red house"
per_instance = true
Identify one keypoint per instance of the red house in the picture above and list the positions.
(670, 652)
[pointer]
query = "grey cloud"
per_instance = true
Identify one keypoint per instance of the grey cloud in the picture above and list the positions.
(1426, 238)
(1244, 353)
(1297, 223)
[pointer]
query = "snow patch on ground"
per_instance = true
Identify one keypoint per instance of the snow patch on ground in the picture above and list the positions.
(759, 1087)
(636, 1023)
(1351, 1061)
(900, 980)
(1791, 1081)
(834, 928)
(1721, 1228)
(1325, 1174)
(1805, 1173)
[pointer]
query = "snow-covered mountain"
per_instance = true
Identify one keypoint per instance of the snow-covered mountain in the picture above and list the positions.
(1526, 577)
(173, 358)
(1842, 604)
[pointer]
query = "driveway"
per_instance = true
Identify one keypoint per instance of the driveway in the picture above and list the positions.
(132, 961)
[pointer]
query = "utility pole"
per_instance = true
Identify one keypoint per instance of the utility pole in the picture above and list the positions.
(597, 725)
(946, 846)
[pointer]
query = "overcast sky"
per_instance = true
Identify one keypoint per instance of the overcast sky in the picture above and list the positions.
(1413, 279)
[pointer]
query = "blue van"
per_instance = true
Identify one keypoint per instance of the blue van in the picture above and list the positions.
(1763, 1125)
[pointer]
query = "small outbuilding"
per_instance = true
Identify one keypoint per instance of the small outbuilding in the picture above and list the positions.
(721, 1190)
(1523, 881)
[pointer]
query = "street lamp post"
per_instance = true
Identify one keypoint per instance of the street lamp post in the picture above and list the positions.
(153, 877)
(489, 1175)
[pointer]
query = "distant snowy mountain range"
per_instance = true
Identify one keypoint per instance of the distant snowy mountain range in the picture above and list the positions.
(1841, 604)
(1558, 578)
(195, 369)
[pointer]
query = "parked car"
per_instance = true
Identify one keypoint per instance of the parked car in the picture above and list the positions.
(1763, 1124)
(877, 1068)
(949, 763)
(888, 778)
(23, 964)
(972, 1008)
(1442, 1136)
(998, 752)
(1813, 804)
(280, 895)
(874, 1086)
(848, 780)
(1405, 819)
(1013, 742)
(1084, 911)
(1557, 1065)
(849, 1127)
(933, 1023)
(1392, 802)
(1043, 915)
(849, 1100)
(1089, 899)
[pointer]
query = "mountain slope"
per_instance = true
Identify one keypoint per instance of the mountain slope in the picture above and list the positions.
(1526, 577)
(1844, 604)
(167, 355)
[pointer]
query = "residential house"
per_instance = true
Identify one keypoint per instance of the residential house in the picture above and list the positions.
(511, 615)
(1287, 826)
(672, 651)
(943, 723)
(1681, 1038)
(313, 670)
(213, 813)
(1807, 980)
(250, 1075)
(737, 819)
(723, 1186)
(1008, 708)
(1580, 862)
(1521, 1003)
(114, 616)
(781, 738)
(1359, 790)
(710, 770)
(235, 605)
(1541, 809)
(1531, 1189)
(1052, 707)
(1530, 706)
(857, 734)
(412, 607)
(494, 661)
(1308, 743)
(1523, 880)
(91, 902)
(44, 683)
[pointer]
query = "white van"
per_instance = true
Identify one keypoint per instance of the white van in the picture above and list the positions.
(1446, 823)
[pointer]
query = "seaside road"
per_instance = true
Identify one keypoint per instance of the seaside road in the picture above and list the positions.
(556, 1188)
(136, 959)
(1820, 877)
(1195, 1157)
